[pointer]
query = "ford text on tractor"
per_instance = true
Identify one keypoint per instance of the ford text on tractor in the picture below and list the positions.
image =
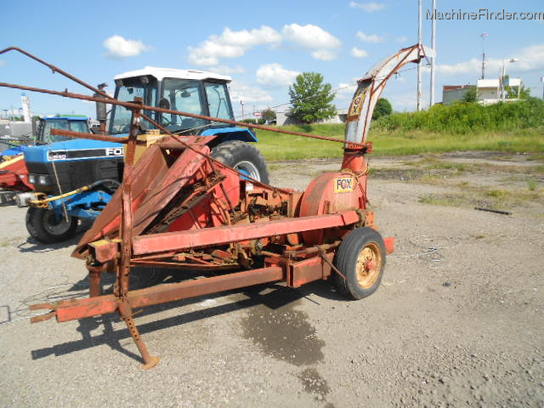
(218, 229)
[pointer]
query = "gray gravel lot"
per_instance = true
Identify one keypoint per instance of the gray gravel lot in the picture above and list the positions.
(458, 320)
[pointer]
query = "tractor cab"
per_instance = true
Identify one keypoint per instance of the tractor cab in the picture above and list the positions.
(62, 166)
(191, 91)
(75, 123)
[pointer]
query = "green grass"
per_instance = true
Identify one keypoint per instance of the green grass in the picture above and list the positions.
(481, 197)
(504, 127)
(418, 142)
(468, 118)
(276, 146)
(532, 184)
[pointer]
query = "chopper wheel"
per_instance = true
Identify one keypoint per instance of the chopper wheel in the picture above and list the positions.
(361, 258)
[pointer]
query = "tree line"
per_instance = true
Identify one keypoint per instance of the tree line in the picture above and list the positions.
(311, 101)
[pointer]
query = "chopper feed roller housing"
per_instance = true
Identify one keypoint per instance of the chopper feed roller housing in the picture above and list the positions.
(179, 208)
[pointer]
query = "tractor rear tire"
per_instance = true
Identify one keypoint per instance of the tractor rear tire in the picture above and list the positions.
(43, 226)
(361, 259)
(243, 157)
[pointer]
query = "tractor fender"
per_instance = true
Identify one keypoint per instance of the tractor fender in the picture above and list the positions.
(231, 133)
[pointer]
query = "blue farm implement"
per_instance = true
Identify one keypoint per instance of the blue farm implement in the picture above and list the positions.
(14, 174)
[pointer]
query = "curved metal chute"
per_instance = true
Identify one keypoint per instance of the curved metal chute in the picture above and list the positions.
(371, 86)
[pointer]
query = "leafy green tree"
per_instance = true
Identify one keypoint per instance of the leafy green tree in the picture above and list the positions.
(512, 92)
(311, 99)
(471, 95)
(268, 115)
(383, 108)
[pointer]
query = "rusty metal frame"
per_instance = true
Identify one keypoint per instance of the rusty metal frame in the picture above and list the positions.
(299, 265)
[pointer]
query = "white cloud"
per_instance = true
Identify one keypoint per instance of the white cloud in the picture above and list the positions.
(368, 7)
(358, 52)
(324, 55)
(345, 91)
(313, 37)
(120, 47)
(369, 38)
(232, 44)
(529, 59)
(401, 39)
(2, 63)
(471, 66)
(275, 75)
(310, 36)
(248, 94)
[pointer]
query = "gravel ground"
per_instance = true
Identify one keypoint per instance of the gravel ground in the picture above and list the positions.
(458, 320)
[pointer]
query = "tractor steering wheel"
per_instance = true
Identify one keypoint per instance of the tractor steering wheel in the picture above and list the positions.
(165, 104)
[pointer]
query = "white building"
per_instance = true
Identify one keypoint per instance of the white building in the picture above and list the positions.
(340, 117)
(488, 91)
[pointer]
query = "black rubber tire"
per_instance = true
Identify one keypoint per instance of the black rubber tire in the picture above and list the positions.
(346, 261)
(37, 220)
(144, 277)
(234, 152)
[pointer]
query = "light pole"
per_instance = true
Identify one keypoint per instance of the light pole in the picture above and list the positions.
(433, 58)
(420, 42)
(542, 80)
(504, 61)
(242, 103)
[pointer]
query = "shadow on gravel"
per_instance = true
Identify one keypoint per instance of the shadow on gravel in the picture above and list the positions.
(272, 296)
(31, 245)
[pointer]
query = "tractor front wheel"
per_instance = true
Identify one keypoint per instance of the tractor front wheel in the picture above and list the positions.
(243, 157)
(361, 259)
(46, 227)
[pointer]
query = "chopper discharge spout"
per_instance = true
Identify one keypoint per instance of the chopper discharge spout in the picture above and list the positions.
(369, 90)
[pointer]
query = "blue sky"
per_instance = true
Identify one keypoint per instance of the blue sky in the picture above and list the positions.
(262, 45)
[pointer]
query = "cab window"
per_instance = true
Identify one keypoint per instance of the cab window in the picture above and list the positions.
(218, 100)
(142, 87)
(64, 124)
(183, 95)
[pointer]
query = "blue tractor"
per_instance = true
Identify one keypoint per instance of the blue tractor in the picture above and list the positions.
(75, 179)
(77, 123)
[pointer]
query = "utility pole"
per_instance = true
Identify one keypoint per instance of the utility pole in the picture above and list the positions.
(542, 80)
(433, 58)
(484, 36)
(502, 84)
(242, 103)
(420, 42)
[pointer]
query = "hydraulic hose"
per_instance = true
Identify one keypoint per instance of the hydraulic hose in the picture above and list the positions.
(43, 202)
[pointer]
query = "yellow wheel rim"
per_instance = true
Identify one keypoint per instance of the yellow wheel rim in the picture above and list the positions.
(369, 263)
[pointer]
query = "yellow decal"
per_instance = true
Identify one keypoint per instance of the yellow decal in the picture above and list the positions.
(357, 104)
(344, 184)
